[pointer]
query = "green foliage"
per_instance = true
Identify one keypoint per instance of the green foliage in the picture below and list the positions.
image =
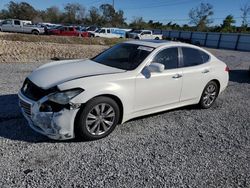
(74, 13)
(227, 25)
(138, 23)
(21, 10)
(201, 16)
(94, 17)
(245, 9)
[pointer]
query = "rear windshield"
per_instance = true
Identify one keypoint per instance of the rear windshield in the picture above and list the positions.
(124, 56)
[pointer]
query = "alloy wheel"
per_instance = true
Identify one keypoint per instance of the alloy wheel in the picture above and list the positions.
(209, 95)
(100, 119)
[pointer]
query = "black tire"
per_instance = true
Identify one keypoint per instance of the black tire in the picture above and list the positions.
(83, 130)
(137, 38)
(209, 95)
(157, 38)
(35, 32)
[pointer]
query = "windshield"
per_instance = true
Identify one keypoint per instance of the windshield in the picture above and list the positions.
(124, 56)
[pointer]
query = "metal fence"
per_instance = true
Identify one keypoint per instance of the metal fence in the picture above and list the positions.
(233, 41)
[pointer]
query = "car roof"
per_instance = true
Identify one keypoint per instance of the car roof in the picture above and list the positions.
(152, 43)
(158, 43)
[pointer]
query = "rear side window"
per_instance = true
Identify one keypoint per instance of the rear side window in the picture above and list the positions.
(192, 57)
(108, 31)
(71, 29)
(168, 57)
(7, 22)
(16, 22)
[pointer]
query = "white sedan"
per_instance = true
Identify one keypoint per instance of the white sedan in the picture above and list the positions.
(88, 98)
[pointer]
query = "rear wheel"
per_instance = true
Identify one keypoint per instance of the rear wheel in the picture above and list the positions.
(209, 95)
(97, 119)
(35, 32)
(157, 38)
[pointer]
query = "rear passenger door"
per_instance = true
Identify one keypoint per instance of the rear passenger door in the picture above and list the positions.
(146, 35)
(196, 70)
(17, 26)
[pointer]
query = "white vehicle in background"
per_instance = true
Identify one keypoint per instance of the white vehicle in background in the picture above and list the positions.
(88, 98)
(144, 34)
(110, 33)
(26, 22)
(18, 26)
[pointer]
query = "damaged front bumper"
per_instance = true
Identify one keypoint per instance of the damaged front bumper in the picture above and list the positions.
(55, 125)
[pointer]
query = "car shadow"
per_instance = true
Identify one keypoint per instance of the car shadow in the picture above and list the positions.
(13, 125)
(240, 76)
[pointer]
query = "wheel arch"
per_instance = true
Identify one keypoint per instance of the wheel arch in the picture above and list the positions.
(116, 99)
(217, 82)
(35, 30)
(214, 80)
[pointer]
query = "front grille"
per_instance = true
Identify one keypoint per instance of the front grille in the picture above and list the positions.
(33, 92)
(26, 107)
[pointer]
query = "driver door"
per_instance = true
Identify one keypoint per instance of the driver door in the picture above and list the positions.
(160, 88)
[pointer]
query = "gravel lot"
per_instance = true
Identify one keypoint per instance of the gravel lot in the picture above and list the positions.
(187, 147)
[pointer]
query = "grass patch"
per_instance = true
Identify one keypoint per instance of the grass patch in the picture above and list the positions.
(59, 39)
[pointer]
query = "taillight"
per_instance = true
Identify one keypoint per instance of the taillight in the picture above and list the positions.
(227, 69)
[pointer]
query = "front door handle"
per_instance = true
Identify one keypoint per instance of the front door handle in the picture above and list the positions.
(177, 76)
(205, 71)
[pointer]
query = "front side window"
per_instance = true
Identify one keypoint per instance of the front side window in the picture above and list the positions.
(71, 29)
(192, 57)
(102, 31)
(168, 57)
(108, 31)
(124, 56)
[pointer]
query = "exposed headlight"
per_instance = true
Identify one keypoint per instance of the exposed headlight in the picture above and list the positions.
(64, 97)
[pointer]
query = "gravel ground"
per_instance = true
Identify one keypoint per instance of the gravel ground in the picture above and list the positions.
(187, 147)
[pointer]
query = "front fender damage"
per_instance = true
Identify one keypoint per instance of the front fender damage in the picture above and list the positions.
(55, 125)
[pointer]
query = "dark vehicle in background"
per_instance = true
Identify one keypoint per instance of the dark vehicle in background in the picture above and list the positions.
(92, 30)
(83, 31)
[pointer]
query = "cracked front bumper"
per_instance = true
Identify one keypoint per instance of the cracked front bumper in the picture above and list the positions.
(55, 125)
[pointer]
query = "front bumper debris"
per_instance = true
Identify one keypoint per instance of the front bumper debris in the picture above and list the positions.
(55, 125)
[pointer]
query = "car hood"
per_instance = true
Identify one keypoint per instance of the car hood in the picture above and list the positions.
(52, 74)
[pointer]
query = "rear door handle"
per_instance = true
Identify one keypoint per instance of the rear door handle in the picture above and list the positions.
(177, 76)
(205, 71)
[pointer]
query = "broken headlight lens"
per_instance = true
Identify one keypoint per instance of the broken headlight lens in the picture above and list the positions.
(63, 97)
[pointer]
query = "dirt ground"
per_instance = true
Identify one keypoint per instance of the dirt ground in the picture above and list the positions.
(17, 51)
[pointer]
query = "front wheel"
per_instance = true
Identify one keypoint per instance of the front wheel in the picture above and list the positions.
(209, 95)
(97, 119)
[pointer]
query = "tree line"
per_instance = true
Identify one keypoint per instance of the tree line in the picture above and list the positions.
(200, 17)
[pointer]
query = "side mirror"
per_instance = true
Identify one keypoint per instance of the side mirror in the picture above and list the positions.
(156, 67)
